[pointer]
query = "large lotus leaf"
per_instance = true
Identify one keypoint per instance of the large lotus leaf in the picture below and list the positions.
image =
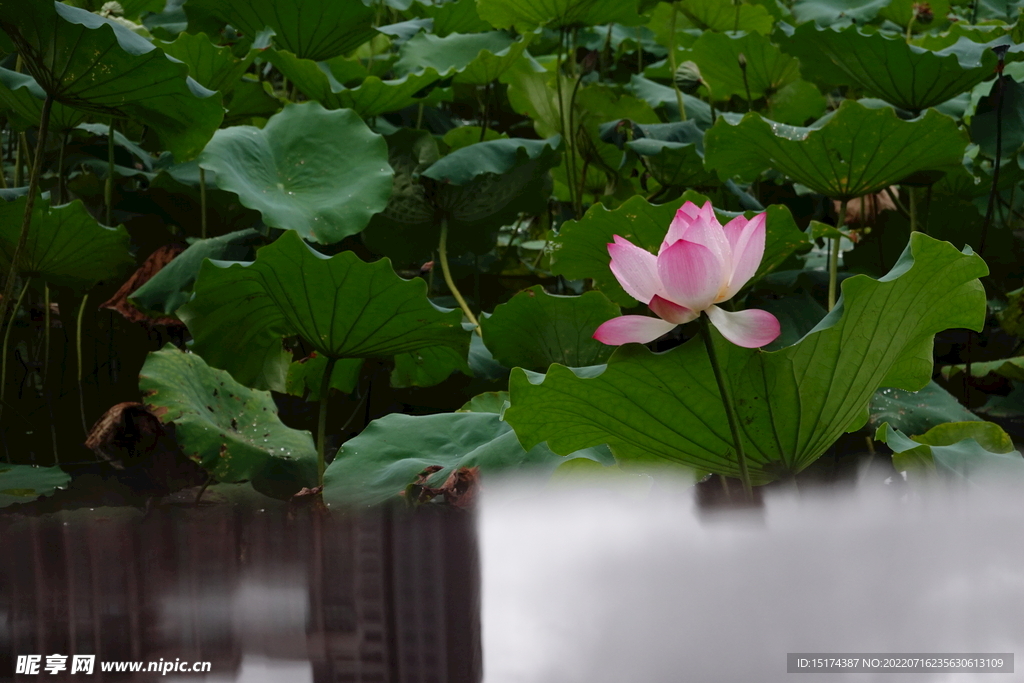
(581, 248)
(455, 16)
(852, 152)
(169, 289)
(389, 454)
(658, 95)
(306, 376)
(232, 431)
(214, 67)
(479, 58)
(673, 153)
(372, 98)
(427, 367)
(796, 103)
(717, 55)
(290, 171)
(1011, 127)
(827, 12)
(915, 412)
(92, 63)
(311, 29)
(905, 75)
(477, 189)
(25, 483)
(792, 404)
(526, 15)
(535, 329)
(977, 452)
(341, 306)
(23, 98)
(716, 15)
(66, 247)
(1010, 368)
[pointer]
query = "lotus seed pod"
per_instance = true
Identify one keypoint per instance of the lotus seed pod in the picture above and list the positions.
(923, 13)
(687, 77)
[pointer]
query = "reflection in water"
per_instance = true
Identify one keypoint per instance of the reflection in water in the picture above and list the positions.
(596, 587)
(384, 596)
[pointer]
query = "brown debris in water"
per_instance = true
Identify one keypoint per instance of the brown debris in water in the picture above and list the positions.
(152, 265)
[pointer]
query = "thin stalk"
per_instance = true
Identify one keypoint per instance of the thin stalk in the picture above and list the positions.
(7, 339)
(3, 176)
(910, 26)
(46, 332)
(577, 206)
(202, 199)
(897, 203)
(19, 175)
(108, 189)
(61, 189)
(78, 348)
(419, 117)
(321, 426)
(999, 155)
(723, 388)
(486, 112)
(833, 259)
(442, 253)
(927, 209)
(913, 209)
(746, 82)
(29, 154)
(570, 147)
(672, 62)
(26, 221)
(736, 25)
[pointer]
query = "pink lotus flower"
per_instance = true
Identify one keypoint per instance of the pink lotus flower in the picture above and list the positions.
(700, 264)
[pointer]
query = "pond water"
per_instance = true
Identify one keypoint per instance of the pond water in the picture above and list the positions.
(537, 586)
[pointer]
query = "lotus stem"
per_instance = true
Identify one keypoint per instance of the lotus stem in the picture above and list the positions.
(19, 175)
(419, 117)
(568, 137)
(60, 170)
(321, 427)
(46, 332)
(78, 348)
(723, 388)
(833, 258)
(672, 61)
(108, 189)
(7, 339)
(202, 200)
(994, 191)
(3, 176)
(30, 203)
(913, 209)
(442, 253)
(577, 206)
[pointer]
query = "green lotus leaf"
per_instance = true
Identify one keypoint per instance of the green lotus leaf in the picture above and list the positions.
(535, 329)
(310, 29)
(827, 12)
(796, 103)
(305, 376)
(25, 483)
(66, 247)
(488, 402)
(715, 15)
(974, 451)
(792, 404)
(23, 98)
(673, 153)
(658, 95)
(340, 306)
(477, 189)
(852, 152)
(901, 11)
(455, 16)
(211, 66)
(427, 367)
(915, 412)
(526, 15)
(170, 288)
(1010, 368)
(983, 123)
(232, 431)
(388, 455)
(717, 55)
(250, 100)
(905, 75)
(92, 63)
(581, 248)
(372, 98)
(478, 58)
(290, 172)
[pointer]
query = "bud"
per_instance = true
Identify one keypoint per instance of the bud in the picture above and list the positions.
(742, 59)
(111, 9)
(687, 77)
(923, 13)
(589, 62)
